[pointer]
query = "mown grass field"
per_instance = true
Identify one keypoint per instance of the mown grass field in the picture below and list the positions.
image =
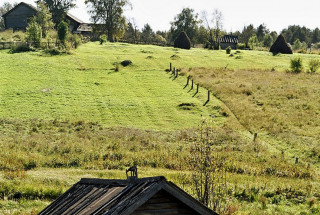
(71, 116)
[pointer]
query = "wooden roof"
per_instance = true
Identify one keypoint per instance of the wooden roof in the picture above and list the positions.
(229, 39)
(118, 197)
(68, 15)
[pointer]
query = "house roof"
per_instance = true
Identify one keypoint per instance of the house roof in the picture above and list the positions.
(18, 5)
(229, 39)
(117, 197)
(70, 16)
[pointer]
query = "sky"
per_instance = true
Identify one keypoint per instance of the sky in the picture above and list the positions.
(275, 14)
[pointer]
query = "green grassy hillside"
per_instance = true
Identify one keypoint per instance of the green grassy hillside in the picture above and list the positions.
(70, 116)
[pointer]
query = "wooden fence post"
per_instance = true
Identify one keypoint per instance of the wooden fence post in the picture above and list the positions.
(177, 73)
(197, 88)
(191, 84)
(173, 71)
(208, 95)
(170, 66)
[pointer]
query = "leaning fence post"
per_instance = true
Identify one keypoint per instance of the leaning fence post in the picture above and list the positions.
(191, 84)
(170, 66)
(208, 95)
(197, 88)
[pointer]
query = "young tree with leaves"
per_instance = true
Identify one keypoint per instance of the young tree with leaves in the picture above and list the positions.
(186, 21)
(214, 26)
(246, 34)
(4, 9)
(147, 34)
(34, 34)
(109, 13)
(44, 19)
(58, 8)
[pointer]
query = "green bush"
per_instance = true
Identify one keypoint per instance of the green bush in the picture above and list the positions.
(103, 39)
(75, 40)
(296, 65)
(314, 65)
(21, 47)
(34, 34)
(63, 32)
(241, 46)
(228, 50)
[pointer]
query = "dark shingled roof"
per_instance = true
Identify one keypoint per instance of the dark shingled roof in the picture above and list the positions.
(229, 39)
(100, 196)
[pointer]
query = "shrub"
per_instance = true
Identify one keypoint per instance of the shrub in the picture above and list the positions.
(182, 41)
(34, 34)
(296, 65)
(62, 32)
(21, 47)
(103, 39)
(75, 40)
(314, 65)
(241, 46)
(228, 50)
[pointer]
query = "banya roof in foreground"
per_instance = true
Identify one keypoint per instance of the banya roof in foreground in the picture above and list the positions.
(145, 196)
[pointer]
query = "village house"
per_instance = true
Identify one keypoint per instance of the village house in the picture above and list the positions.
(229, 40)
(17, 19)
(145, 196)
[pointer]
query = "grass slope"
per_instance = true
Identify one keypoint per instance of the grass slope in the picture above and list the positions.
(65, 112)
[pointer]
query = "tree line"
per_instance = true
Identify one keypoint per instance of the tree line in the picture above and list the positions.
(205, 28)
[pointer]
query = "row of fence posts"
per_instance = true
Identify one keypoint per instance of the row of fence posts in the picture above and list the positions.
(175, 74)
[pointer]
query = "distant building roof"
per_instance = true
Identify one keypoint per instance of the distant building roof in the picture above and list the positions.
(70, 16)
(229, 39)
(124, 197)
(21, 3)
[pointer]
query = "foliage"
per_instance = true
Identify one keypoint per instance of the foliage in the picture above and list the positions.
(75, 40)
(9, 36)
(58, 8)
(214, 27)
(109, 13)
(44, 19)
(34, 34)
(253, 42)
(314, 65)
(63, 32)
(208, 170)
(20, 47)
(267, 41)
(247, 33)
(103, 39)
(6, 6)
(262, 31)
(228, 50)
(296, 65)
(297, 45)
(186, 21)
(147, 34)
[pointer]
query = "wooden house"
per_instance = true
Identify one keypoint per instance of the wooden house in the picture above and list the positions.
(229, 40)
(144, 196)
(17, 19)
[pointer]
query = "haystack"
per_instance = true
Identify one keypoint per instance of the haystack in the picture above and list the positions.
(281, 46)
(182, 41)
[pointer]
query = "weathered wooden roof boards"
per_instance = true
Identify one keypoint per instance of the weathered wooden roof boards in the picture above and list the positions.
(144, 196)
(17, 19)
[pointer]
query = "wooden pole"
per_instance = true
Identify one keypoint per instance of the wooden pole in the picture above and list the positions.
(174, 71)
(197, 88)
(170, 66)
(208, 95)
(177, 73)
(192, 84)
(188, 81)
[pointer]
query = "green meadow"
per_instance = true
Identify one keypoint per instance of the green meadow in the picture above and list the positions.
(82, 114)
